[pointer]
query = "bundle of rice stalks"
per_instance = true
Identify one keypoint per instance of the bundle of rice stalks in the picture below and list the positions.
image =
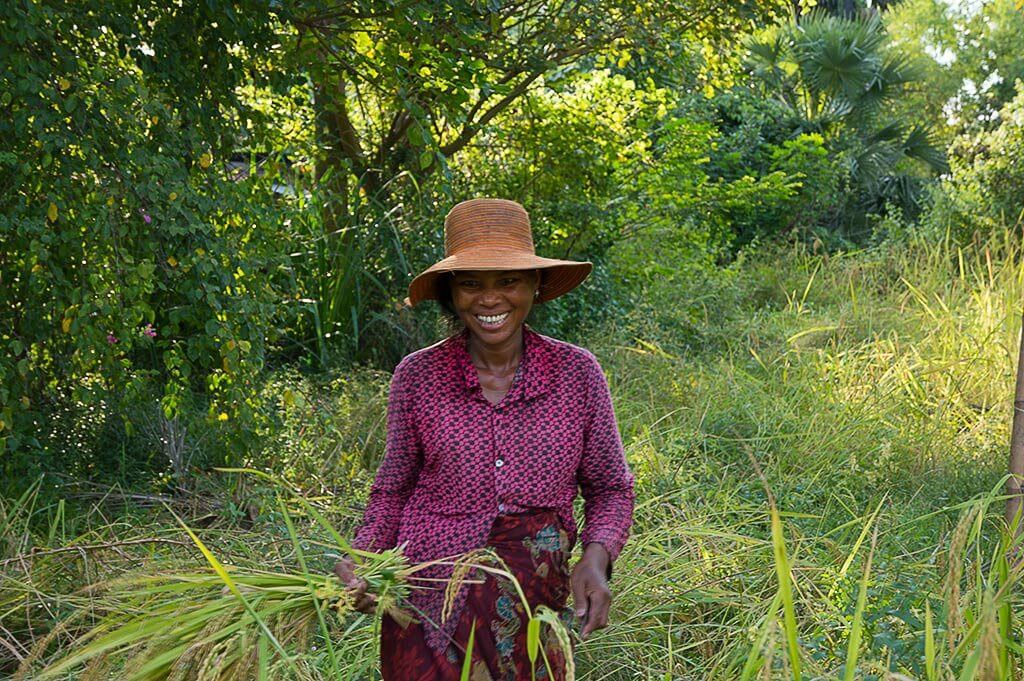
(243, 624)
(226, 624)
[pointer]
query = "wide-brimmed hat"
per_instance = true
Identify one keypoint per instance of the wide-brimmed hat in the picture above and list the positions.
(494, 234)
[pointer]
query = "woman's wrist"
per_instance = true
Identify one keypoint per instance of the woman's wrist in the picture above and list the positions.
(595, 553)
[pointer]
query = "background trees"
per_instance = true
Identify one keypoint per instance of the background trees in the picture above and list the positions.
(197, 193)
(130, 259)
(838, 78)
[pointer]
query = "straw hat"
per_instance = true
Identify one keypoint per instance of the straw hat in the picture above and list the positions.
(494, 234)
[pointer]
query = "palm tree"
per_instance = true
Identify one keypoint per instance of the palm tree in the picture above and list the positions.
(839, 77)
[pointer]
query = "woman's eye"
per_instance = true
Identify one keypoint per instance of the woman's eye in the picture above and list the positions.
(509, 281)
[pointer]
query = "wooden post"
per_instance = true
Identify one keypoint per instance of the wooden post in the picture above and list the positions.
(1015, 483)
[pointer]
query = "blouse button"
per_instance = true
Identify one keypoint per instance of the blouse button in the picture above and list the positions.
(499, 463)
(501, 508)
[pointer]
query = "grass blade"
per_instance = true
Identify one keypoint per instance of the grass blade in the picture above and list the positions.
(857, 630)
(929, 644)
(467, 664)
(786, 591)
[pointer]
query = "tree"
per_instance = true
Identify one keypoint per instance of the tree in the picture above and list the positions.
(838, 77)
(400, 88)
(130, 261)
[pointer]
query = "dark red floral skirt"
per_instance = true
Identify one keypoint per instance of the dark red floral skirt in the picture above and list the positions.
(535, 546)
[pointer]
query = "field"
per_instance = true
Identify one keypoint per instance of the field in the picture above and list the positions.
(866, 396)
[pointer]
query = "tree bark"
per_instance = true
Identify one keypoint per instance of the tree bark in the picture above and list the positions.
(1015, 483)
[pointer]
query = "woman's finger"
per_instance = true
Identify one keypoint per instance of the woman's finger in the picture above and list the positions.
(597, 613)
(365, 603)
(579, 597)
(343, 569)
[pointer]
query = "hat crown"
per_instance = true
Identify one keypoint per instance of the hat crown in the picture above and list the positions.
(487, 223)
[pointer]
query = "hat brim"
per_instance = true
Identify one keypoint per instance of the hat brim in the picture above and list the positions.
(559, 276)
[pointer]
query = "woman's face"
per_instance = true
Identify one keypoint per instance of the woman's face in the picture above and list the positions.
(493, 305)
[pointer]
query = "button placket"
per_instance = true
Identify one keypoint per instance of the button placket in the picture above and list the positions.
(499, 461)
(498, 420)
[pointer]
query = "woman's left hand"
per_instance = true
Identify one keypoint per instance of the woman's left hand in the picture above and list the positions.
(591, 596)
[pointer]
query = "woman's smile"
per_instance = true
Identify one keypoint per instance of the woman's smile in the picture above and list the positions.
(492, 321)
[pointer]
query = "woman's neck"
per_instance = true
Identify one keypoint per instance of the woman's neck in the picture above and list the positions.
(499, 358)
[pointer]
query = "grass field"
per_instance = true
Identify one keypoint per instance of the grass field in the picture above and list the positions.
(866, 396)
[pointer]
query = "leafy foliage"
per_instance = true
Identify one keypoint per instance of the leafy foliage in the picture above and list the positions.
(838, 77)
(985, 191)
(131, 257)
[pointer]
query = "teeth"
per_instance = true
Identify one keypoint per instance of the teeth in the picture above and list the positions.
(492, 319)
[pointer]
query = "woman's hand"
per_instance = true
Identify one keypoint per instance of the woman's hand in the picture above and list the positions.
(345, 570)
(591, 596)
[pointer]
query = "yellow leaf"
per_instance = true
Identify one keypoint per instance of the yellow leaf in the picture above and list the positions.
(222, 417)
(206, 159)
(25, 401)
(154, 120)
(66, 325)
(110, 201)
(225, 364)
(51, 212)
(172, 261)
(624, 59)
(37, 268)
(64, 84)
(173, 196)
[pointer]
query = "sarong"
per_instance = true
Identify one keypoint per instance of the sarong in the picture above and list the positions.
(535, 547)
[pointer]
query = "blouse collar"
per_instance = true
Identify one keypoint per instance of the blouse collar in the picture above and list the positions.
(533, 372)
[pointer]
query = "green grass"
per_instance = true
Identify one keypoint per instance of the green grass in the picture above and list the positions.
(872, 390)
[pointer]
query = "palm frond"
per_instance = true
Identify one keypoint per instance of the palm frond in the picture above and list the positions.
(920, 144)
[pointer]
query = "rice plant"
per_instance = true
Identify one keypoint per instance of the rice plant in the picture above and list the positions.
(231, 623)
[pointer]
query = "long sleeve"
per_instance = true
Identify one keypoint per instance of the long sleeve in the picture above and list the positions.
(604, 477)
(396, 478)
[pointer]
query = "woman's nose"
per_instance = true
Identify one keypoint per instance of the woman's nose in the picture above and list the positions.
(489, 297)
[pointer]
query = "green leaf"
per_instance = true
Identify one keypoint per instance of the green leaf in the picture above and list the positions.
(532, 639)
(415, 136)
(786, 589)
(467, 663)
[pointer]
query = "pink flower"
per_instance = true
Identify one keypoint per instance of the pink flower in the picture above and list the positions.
(111, 338)
(145, 216)
(148, 330)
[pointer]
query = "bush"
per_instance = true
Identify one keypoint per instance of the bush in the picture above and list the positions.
(131, 257)
(985, 190)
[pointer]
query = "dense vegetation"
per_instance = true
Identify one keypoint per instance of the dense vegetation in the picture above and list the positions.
(806, 230)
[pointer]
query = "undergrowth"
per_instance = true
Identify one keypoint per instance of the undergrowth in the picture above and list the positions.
(819, 442)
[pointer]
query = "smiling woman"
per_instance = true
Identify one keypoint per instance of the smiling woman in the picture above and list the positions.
(491, 433)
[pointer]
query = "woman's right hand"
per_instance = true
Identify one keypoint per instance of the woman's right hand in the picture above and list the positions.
(345, 570)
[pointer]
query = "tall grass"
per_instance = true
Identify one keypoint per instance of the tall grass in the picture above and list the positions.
(873, 390)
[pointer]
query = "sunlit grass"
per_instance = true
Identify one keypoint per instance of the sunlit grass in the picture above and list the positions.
(873, 390)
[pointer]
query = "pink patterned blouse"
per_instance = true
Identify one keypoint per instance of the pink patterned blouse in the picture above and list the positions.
(454, 461)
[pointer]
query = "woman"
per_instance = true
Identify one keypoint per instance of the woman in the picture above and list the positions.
(490, 432)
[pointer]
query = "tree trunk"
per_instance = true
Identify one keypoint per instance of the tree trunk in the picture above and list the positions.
(1015, 484)
(331, 172)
